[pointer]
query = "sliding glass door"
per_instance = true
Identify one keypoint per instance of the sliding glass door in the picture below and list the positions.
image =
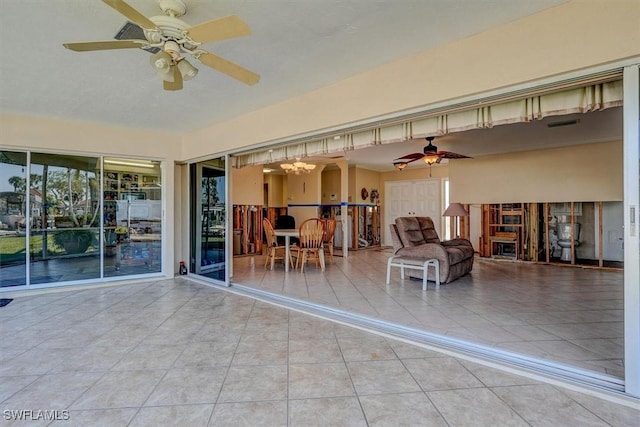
(132, 217)
(209, 219)
(70, 218)
(65, 224)
(13, 206)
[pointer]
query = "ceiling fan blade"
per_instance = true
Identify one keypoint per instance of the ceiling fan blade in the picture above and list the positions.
(219, 29)
(413, 157)
(131, 14)
(176, 84)
(450, 155)
(229, 68)
(105, 45)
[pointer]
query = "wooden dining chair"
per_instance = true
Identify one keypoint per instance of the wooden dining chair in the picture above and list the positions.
(273, 248)
(327, 238)
(311, 246)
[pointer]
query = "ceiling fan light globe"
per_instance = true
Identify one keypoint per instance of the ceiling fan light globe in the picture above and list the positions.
(400, 165)
(188, 71)
(431, 159)
(161, 62)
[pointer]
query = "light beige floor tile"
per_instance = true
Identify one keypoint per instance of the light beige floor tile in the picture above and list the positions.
(441, 373)
(250, 414)
(206, 354)
(365, 348)
(409, 351)
(545, 405)
(119, 390)
(12, 385)
(186, 415)
(187, 386)
(253, 351)
(615, 414)
(314, 351)
(319, 380)
(492, 377)
(475, 407)
(215, 322)
(98, 417)
(338, 411)
(139, 358)
(53, 391)
(91, 359)
(405, 409)
(248, 383)
(35, 361)
(383, 376)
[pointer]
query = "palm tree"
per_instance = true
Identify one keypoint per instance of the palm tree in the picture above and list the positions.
(18, 183)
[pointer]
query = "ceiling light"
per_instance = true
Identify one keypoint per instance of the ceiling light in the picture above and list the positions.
(431, 159)
(267, 170)
(188, 71)
(161, 62)
(400, 165)
(138, 164)
(298, 167)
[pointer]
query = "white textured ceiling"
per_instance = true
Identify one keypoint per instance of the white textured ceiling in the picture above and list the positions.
(296, 47)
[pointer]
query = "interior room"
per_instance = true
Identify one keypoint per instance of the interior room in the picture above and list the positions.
(499, 231)
(186, 138)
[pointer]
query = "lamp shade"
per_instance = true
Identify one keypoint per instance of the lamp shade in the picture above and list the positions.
(400, 165)
(455, 209)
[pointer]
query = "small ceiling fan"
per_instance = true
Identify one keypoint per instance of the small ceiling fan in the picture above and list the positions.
(172, 37)
(430, 156)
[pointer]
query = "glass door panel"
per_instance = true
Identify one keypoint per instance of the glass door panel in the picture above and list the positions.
(65, 228)
(132, 217)
(208, 219)
(13, 210)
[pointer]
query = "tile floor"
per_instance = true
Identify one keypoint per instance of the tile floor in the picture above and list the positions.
(569, 315)
(175, 352)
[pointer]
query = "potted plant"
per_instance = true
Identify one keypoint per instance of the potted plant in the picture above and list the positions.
(75, 241)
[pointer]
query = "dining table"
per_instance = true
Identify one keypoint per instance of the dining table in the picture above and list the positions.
(287, 233)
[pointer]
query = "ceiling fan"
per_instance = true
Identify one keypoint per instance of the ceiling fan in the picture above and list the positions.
(172, 37)
(430, 156)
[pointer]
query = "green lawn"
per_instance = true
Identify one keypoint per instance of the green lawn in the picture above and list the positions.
(12, 248)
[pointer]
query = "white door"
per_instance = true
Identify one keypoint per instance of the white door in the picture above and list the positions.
(612, 231)
(411, 198)
(427, 200)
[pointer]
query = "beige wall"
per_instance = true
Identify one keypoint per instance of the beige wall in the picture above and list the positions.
(554, 41)
(78, 137)
(331, 185)
(247, 186)
(365, 178)
(589, 172)
(304, 189)
(276, 196)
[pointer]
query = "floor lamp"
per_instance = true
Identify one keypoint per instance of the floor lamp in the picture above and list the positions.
(455, 210)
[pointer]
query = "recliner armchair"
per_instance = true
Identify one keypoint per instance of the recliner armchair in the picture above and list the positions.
(416, 237)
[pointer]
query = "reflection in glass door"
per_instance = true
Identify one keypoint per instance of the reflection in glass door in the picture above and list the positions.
(13, 206)
(132, 217)
(65, 224)
(208, 219)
